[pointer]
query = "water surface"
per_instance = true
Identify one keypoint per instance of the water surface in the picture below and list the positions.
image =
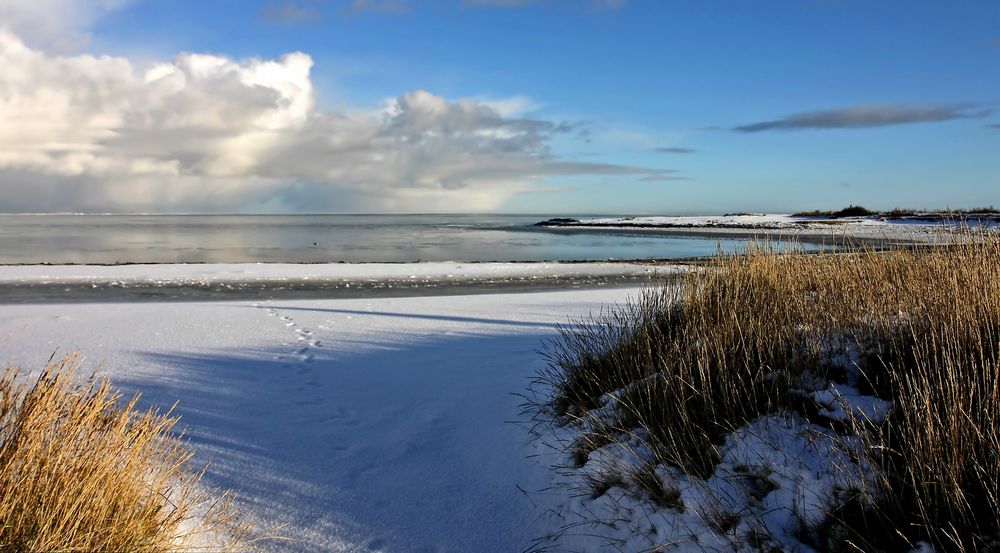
(107, 239)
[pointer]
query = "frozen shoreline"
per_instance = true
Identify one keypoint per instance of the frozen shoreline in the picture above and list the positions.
(807, 228)
(260, 281)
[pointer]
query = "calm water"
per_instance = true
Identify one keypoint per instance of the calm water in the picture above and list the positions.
(320, 238)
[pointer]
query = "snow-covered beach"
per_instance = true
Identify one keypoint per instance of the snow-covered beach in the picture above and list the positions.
(368, 424)
(377, 406)
(380, 424)
(373, 424)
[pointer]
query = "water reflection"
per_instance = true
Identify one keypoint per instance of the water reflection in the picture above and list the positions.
(322, 239)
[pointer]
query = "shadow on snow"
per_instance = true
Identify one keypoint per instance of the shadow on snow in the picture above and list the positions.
(388, 446)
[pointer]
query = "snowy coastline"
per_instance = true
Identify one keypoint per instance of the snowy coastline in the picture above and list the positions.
(259, 281)
(813, 228)
(248, 272)
(388, 420)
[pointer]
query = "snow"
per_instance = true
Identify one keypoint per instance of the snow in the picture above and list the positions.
(842, 402)
(394, 424)
(778, 477)
(345, 425)
(777, 474)
(251, 272)
(786, 225)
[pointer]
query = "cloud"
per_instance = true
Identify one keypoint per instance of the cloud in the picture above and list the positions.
(675, 150)
(512, 106)
(858, 117)
(663, 178)
(995, 42)
(291, 13)
(992, 126)
(54, 25)
(209, 133)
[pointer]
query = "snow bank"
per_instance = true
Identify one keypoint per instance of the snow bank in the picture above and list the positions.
(251, 272)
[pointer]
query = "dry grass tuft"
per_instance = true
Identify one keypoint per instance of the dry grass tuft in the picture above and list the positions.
(687, 364)
(82, 471)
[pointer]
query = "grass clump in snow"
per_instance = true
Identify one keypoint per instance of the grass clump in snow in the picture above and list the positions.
(686, 364)
(80, 471)
(765, 334)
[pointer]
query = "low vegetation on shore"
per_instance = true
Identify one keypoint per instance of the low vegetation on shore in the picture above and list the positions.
(901, 213)
(81, 471)
(778, 400)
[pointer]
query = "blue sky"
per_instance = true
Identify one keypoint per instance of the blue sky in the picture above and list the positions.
(652, 106)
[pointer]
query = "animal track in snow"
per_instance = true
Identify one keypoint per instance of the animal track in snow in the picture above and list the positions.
(305, 343)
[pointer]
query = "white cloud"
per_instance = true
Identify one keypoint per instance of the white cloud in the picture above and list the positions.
(513, 106)
(204, 132)
(56, 25)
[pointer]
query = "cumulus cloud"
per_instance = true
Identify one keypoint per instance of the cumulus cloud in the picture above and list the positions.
(209, 133)
(56, 25)
(857, 117)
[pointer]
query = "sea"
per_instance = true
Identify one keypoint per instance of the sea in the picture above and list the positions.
(113, 239)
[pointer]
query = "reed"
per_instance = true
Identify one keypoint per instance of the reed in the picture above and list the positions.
(687, 364)
(82, 470)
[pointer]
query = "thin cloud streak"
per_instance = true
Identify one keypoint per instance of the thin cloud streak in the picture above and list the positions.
(866, 116)
(675, 150)
(663, 178)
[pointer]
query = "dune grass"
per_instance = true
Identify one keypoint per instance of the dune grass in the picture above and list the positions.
(901, 213)
(688, 364)
(82, 470)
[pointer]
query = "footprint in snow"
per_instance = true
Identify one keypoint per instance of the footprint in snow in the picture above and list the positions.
(303, 353)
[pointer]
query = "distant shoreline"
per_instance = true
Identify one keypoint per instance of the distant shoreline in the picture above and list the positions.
(823, 229)
(831, 237)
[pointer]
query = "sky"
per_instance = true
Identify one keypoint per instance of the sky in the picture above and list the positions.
(516, 106)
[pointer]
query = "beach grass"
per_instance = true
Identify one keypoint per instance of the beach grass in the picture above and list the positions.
(903, 213)
(82, 470)
(686, 365)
